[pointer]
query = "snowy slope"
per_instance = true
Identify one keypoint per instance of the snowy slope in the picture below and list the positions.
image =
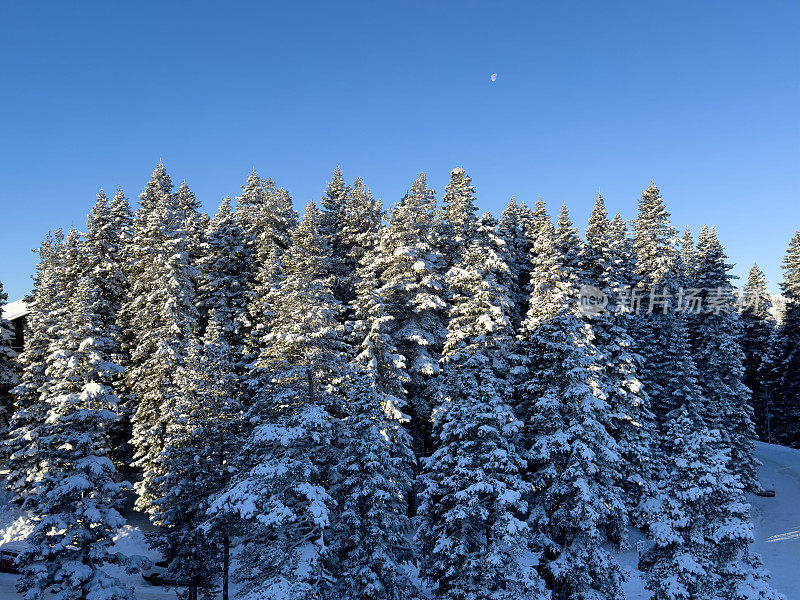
(776, 521)
(776, 524)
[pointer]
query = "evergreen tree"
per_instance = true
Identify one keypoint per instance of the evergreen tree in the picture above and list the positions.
(371, 479)
(573, 461)
(358, 235)
(282, 494)
(699, 523)
(472, 537)
(267, 218)
(335, 201)
(757, 327)
(569, 245)
(632, 425)
(622, 247)
(163, 319)
(75, 496)
(654, 240)
(656, 330)
(364, 229)
(199, 451)
(474, 496)
(458, 217)
(545, 267)
(122, 226)
(362, 224)
(719, 358)
(252, 214)
(45, 322)
(223, 276)
(530, 221)
(375, 350)
(688, 259)
(194, 467)
(103, 250)
(781, 366)
(122, 215)
(9, 377)
(517, 248)
(192, 222)
(679, 565)
(410, 291)
(19, 445)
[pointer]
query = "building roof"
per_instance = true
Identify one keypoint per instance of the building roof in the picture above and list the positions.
(14, 310)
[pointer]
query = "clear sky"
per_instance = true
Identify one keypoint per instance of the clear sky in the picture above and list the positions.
(702, 97)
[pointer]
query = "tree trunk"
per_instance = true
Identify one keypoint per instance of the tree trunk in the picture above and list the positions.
(226, 559)
(311, 391)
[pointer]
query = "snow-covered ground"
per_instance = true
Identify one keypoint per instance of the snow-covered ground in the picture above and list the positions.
(776, 521)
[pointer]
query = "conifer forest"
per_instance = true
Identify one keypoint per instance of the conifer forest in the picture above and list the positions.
(403, 402)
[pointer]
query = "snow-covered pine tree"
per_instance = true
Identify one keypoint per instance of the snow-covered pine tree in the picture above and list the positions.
(163, 320)
(517, 248)
(688, 259)
(283, 494)
(193, 222)
(372, 342)
(358, 235)
(123, 221)
(195, 465)
(698, 521)
(218, 373)
(376, 349)
(568, 245)
(458, 216)
(757, 327)
(267, 218)
(678, 566)
(539, 235)
(472, 537)
(252, 209)
(622, 246)
(408, 271)
(19, 445)
(122, 217)
(199, 449)
(333, 208)
(474, 498)
(371, 479)
(528, 221)
(543, 256)
(654, 240)
(302, 329)
(653, 300)
(604, 266)
(9, 376)
(781, 366)
(719, 357)
(573, 462)
(54, 284)
(364, 228)
(223, 276)
(103, 251)
(74, 495)
(363, 216)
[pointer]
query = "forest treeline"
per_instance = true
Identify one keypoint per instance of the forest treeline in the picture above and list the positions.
(419, 403)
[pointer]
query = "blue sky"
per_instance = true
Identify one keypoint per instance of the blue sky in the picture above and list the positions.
(701, 97)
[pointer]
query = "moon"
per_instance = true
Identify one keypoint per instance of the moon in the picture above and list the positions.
(493, 77)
